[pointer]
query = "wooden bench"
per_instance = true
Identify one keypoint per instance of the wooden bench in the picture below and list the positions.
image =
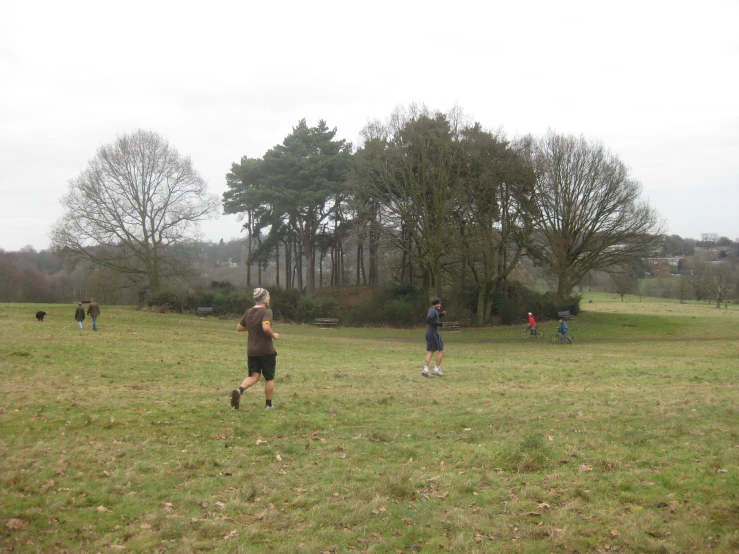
(325, 322)
(564, 315)
(451, 326)
(204, 311)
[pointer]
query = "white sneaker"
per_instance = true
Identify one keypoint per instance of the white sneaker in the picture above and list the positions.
(425, 373)
(438, 373)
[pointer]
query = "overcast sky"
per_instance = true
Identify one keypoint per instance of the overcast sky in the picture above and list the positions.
(656, 81)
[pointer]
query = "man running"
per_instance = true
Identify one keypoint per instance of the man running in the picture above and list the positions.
(434, 343)
(260, 352)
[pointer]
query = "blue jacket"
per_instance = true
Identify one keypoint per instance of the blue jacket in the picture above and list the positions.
(563, 327)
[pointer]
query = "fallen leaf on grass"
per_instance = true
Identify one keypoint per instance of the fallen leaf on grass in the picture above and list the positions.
(260, 441)
(614, 533)
(278, 458)
(220, 505)
(146, 527)
(658, 534)
(585, 467)
(219, 437)
(231, 535)
(16, 524)
(48, 485)
(260, 517)
(533, 514)
(543, 505)
(102, 509)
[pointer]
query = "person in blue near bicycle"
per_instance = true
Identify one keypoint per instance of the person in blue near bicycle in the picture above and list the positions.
(563, 331)
(532, 324)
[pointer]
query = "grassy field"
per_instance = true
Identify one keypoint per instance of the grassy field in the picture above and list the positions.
(123, 440)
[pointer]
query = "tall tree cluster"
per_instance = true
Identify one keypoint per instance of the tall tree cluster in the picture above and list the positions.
(447, 200)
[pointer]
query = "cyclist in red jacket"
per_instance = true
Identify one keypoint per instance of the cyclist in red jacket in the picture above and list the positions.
(532, 324)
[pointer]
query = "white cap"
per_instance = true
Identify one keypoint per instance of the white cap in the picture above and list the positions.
(529, 313)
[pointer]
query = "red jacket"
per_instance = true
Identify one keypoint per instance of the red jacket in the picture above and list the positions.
(532, 321)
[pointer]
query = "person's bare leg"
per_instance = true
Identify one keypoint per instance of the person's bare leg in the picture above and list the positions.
(250, 381)
(245, 384)
(427, 361)
(437, 369)
(269, 389)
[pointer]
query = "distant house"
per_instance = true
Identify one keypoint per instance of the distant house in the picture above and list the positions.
(672, 261)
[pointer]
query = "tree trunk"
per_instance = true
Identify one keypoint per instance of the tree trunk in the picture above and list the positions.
(564, 286)
(143, 293)
(374, 239)
(277, 264)
(288, 264)
(480, 315)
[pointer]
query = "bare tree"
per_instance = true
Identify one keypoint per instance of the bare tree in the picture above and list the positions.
(133, 209)
(720, 280)
(592, 214)
(625, 280)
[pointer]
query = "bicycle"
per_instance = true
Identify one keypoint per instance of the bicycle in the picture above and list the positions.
(527, 332)
(556, 338)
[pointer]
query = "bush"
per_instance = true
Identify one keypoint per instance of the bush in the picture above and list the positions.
(305, 309)
(166, 299)
(513, 302)
(401, 313)
(284, 303)
(398, 305)
(233, 302)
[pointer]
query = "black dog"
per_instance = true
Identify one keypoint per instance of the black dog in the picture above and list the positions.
(40, 315)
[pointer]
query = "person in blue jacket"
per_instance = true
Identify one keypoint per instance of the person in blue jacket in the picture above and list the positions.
(434, 342)
(563, 332)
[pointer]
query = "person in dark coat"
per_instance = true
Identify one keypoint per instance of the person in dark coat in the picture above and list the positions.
(79, 314)
(94, 311)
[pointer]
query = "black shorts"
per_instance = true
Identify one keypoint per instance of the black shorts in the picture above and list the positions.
(264, 365)
(434, 342)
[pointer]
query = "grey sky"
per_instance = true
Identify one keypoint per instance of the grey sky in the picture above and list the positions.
(655, 81)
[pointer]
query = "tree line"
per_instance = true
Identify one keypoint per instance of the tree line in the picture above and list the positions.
(426, 198)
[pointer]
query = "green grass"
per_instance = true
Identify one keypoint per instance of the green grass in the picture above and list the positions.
(123, 440)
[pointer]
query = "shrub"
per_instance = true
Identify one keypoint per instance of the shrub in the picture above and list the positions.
(401, 312)
(305, 309)
(284, 303)
(394, 304)
(166, 299)
(513, 302)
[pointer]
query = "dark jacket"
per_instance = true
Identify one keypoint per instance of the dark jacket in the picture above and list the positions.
(93, 310)
(79, 314)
